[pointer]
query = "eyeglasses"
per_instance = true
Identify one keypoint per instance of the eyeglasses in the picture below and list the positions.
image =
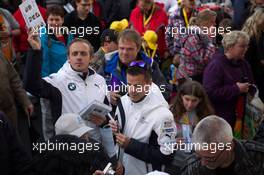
(140, 64)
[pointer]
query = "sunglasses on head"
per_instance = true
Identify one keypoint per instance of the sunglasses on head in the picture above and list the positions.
(140, 64)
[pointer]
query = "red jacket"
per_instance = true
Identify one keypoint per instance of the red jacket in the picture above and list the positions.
(158, 22)
(20, 42)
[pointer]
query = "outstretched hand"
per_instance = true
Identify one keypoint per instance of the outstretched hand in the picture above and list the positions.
(34, 40)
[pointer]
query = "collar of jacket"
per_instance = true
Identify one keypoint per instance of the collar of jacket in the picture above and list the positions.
(152, 100)
(68, 71)
(114, 66)
(77, 18)
(242, 159)
(232, 62)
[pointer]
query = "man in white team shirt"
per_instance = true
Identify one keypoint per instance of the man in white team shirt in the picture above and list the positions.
(145, 124)
(74, 86)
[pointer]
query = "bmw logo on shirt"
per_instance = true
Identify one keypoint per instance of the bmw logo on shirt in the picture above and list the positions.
(71, 86)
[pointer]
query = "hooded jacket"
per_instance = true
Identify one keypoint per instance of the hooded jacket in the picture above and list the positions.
(66, 89)
(54, 52)
(150, 126)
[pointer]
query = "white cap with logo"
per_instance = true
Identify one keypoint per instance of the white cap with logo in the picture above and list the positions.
(71, 124)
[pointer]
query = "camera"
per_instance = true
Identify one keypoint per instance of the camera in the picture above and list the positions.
(108, 170)
(244, 79)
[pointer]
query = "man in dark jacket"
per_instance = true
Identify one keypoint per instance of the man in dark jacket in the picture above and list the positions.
(84, 24)
(13, 157)
(223, 154)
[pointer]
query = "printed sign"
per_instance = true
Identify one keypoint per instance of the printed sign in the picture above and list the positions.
(31, 14)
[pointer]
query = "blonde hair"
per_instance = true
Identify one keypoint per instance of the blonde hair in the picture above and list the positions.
(253, 23)
(232, 38)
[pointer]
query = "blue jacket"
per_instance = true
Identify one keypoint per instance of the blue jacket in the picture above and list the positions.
(54, 52)
(117, 72)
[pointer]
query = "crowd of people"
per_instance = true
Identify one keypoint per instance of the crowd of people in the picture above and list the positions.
(183, 80)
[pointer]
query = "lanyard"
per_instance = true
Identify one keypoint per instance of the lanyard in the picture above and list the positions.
(146, 21)
(185, 17)
(148, 52)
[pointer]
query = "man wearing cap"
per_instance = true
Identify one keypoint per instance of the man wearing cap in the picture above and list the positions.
(73, 124)
(150, 16)
(145, 124)
(129, 45)
(108, 44)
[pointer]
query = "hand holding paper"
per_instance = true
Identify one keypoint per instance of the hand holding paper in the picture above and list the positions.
(96, 119)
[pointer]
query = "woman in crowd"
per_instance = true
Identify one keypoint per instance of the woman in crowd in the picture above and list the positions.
(197, 47)
(228, 76)
(254, 27)
(190, 106)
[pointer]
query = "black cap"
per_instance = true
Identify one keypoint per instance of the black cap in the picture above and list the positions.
(109, 35)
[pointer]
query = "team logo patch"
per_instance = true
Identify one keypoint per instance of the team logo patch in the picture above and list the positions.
(71, 86)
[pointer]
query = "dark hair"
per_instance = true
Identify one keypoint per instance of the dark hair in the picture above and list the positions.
(193, 88)
(75, 40)
(135, 70)
(55, 10)
(71, 161)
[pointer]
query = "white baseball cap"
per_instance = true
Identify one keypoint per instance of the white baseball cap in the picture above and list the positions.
(71, 124)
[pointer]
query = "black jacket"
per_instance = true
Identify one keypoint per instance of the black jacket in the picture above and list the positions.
(249, 160)
(38, 87)
(89, 29)
(13, 156)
